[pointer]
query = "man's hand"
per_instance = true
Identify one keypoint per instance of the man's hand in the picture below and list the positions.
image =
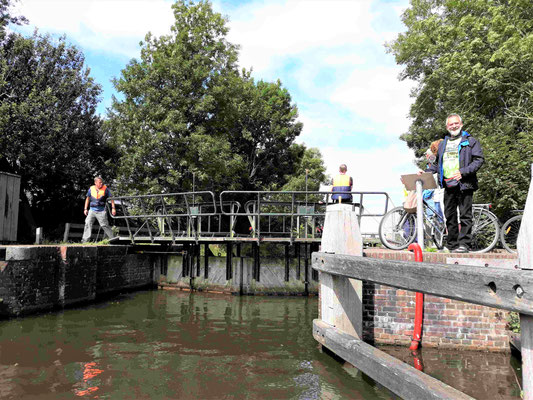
(420, 172)
(114, 212)
(457, 176)
(86, 212)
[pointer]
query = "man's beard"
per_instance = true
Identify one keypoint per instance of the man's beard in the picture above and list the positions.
(454, 132)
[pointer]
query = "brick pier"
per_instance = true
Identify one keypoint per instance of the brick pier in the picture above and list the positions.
(388, 313)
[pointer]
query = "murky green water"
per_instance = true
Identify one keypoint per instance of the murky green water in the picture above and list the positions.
(171, 344)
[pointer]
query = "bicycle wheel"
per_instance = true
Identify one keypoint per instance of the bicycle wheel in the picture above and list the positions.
(509, 233)
(485, 230)
(435, 227)
(438, 230)
(397, 229)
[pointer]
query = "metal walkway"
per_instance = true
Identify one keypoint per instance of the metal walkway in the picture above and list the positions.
(237, 217)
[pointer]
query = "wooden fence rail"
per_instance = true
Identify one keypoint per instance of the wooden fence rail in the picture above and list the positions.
(493, 287)
(342, 267)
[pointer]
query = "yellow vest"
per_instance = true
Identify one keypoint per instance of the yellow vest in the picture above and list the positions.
(98, 193)
(341, 183)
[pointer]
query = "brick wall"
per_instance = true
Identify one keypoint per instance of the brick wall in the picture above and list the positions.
(41, 278)
(117, 269)
(388, 313)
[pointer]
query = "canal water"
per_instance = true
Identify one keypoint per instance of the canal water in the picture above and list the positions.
(179, 345)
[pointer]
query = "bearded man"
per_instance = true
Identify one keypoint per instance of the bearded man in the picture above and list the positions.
(459, 157)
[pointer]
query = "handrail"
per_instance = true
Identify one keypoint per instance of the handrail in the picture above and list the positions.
(165, 210)
(327, 195)
(120, 199)
(276, 214)
(296, 206)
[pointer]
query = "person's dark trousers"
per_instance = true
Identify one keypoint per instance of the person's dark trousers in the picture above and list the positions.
(454, 198)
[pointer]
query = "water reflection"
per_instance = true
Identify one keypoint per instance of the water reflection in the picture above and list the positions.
(88, 384)
(478, 374)
(169, 344)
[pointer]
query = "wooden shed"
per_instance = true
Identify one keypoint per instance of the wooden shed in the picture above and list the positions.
(9, 206)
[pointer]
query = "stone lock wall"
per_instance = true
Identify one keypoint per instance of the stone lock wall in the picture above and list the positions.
(41, 278)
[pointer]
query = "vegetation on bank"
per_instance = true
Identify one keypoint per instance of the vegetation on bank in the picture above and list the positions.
(474, 58)
(186, 113)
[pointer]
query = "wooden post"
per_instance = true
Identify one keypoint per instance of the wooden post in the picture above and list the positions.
(341, 298)
(526, 339)
(523, 244)
(306, 271)
(67, 232)
(525, 261)
(185, 261)
(229, 261)
(257, 262)
(9, 206)
(38, 235)
(198, 267)
(206, 260)
(287, 260)
(241, 269)
(297, 255)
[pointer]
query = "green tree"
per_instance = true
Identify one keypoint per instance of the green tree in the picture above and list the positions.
(474, 58)
(49, 132)
(7, 18)
(187, 109)
(312, 165)
(261, 123)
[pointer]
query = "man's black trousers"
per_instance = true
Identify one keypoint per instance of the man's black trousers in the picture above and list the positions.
(453, 198)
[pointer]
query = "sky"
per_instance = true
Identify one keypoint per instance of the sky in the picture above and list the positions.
(329, 54)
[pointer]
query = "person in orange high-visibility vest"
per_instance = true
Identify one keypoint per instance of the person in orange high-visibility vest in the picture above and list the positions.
(342, 183)
(95, 209)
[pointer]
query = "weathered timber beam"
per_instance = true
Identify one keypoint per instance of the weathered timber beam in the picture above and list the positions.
(493, 287)
(400, 378)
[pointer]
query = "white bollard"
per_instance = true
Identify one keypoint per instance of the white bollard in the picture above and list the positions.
(524, 247)
(341, 298)
(38, 235)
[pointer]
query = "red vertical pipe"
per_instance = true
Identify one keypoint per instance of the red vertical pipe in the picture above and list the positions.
(419, 298)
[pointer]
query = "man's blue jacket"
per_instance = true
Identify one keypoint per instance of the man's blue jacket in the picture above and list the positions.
(470, 160)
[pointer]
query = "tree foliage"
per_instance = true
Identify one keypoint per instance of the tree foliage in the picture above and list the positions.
(312, 165)
(474, 58)
(49, 132)
(6, 17)
(187, 109)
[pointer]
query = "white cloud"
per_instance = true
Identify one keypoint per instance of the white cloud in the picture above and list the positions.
(375, 93)
(113, 26)
(375, 169)
(328, 53)
(269, 32)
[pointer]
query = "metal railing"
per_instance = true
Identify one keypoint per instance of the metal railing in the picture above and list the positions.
(164, 215)
(193, 215)
(294, 214)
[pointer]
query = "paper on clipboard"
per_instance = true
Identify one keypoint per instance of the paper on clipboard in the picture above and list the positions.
(428, 182)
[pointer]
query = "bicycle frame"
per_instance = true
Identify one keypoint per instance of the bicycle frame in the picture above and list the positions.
(441, 226)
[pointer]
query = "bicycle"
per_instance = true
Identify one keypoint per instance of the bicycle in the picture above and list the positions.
(509, 232)
(398, 229)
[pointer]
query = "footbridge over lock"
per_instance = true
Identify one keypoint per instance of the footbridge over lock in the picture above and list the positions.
(287, 217)
(265, 237)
